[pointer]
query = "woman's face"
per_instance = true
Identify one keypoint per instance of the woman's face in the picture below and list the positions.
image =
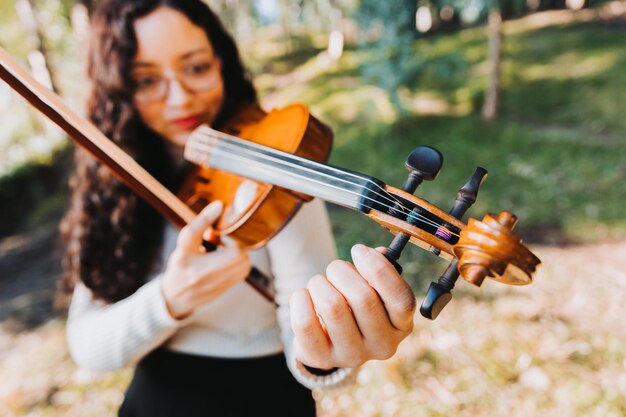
(178, 79)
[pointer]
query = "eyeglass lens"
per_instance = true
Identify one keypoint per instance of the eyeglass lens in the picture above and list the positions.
(195, 76)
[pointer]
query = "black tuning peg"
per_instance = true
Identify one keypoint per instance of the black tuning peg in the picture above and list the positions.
(423, 163)
(439, 293)
(466, 196)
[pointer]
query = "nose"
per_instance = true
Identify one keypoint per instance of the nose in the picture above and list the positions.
(178, 95)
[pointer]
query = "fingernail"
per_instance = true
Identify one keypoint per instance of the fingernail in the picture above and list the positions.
(359, 250)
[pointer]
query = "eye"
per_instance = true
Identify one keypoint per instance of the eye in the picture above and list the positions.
(146, 82)
(198, 68)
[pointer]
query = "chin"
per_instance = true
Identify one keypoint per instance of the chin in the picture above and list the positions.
(180, 139)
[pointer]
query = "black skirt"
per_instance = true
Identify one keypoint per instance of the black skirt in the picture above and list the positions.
(172, 384)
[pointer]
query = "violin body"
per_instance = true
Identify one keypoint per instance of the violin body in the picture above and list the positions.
(254, 212)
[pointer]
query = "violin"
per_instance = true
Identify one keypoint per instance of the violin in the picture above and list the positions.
(267, 168)
(263, 167)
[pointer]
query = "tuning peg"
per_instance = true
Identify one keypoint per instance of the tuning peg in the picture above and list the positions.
(466, 196)
(423, 163)
(398, 243)
(436, 299)
(439, 293)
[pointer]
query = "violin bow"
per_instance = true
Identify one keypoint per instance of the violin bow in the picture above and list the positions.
(123, 166)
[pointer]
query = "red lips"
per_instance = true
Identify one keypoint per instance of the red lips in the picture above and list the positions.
(187, 123)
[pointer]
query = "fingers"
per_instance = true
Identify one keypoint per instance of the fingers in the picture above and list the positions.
(190, 237)
(311, 342)
(394, 291)
(367, 307)
(335, 313)
(357, 313)
(190, 282)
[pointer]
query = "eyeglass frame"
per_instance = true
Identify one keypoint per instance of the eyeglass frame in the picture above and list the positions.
(166, 77)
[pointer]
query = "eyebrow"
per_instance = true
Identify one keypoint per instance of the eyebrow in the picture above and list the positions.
(182, 57)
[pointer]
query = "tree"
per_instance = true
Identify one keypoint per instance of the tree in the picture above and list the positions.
(390, 33)
(38, 57)
(498, 9)
(494, 58)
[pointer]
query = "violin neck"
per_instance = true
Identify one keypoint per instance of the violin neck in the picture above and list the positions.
(218, 150)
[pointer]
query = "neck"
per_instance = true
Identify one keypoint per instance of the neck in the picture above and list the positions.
(176, 152)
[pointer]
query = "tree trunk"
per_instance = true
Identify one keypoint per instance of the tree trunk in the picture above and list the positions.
(492, 96)
(335, 37)
(38, 57)
(285, 23)
(79, 19)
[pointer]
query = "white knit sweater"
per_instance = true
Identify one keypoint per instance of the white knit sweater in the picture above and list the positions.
(239, 324)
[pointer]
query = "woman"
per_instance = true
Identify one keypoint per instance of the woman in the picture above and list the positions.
(203, 342)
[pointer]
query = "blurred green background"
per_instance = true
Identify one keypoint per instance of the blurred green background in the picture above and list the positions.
(533, 91)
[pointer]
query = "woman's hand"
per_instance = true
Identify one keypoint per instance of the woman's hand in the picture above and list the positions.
(193, 277)
(353, 314)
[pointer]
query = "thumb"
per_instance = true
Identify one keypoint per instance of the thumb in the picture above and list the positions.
(211, 212)
(190, 237)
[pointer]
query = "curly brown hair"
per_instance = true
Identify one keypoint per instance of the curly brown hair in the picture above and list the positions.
(113, 237)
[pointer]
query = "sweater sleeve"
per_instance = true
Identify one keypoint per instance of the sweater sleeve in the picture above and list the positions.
(103, 337)
(303, 249)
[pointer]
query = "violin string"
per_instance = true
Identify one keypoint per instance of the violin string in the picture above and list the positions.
(231, 144)
(409, 214)
(276, 162)
(236, 155)
(442, 231)
(218, 138)
(387, 196)
(242, 149)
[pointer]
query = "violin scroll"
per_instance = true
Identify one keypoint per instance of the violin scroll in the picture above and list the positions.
(490, 249)
(476, 250)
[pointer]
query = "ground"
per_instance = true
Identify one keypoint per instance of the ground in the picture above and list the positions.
(551, 348)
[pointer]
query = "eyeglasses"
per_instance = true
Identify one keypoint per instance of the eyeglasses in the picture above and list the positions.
(195, 76)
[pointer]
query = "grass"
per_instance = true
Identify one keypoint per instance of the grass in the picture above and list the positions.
(555, 154)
